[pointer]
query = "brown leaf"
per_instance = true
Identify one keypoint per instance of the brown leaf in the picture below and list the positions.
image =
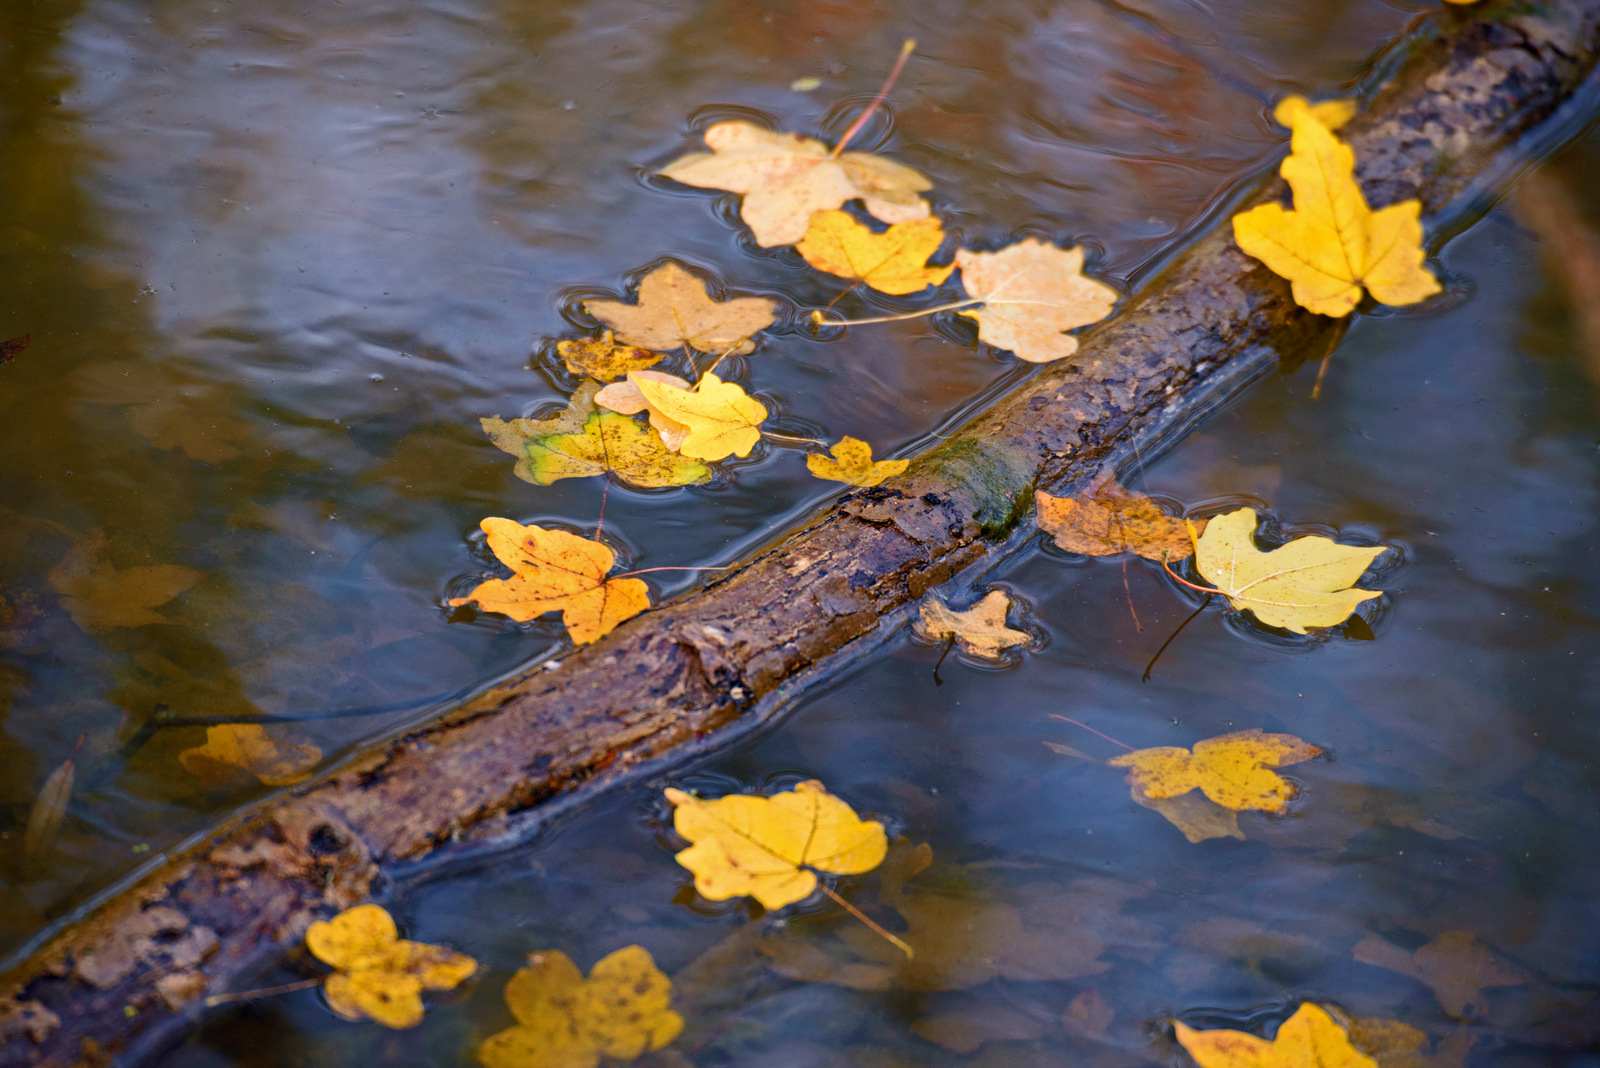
(674, 309)
(1108, 520)
(1456, 965)
(100, 598)
(48, 810)
(1088, 1015)
(964, 1032)
(11, 348)
(981, 630)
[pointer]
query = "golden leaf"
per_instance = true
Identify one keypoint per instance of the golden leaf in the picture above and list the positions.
(1456, 965)
(761, 847)
(981, 630)
(895, 261)
(1308, 1039)
(605, 442)
(625, 398)
(99, 597)
(786, 178)
(554, 570)
(674, 309)
(1108, 520)
(722, 420)
(603, 358)
(566, 1021)
(1331, 113)
(852, 463)
(1306, 583)
(234, 748)
(1031, 292)
(1332, 244)
(379, 974)
(1233, 769)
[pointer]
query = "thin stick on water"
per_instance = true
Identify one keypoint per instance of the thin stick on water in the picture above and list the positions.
(1148, 668)
(1126, 589)
(818, 319)
(251, 995)
(647, 570)
(864, 918)
(775, 436)
(1091, 730)
(888, 83)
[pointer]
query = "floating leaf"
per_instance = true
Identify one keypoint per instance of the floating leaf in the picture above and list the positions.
(100, 598)
(895, 261)
(674, 309)
(1108, 520)
(49, 808)
(1234, 770)
(1331, 113)
(981, 630)
(1308, 1039)
(234, 748)
(852, 463)
(566, 1021)
(1332, 244)
(1031, 292)
(605, 442)
(786, 178)
(379, 974)
(603, 358)
(625, 398)
(1306, 583)
(1456, 965)
(762, 847)
(722, 420)
(554, 570)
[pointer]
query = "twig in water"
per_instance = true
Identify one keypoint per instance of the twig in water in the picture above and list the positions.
(250, 995)
(888, 83)
(864, 918)
(1151, 666)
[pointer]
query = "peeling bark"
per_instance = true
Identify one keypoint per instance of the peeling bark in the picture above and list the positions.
(129, 978)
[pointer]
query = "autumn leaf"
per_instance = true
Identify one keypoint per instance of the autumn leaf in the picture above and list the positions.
(49, 809)
(1332, 244)
(232, 749)
(1108, 520)
(895, 261)
(1306, 583)
(100, 598)
(762, 847)
(1456, 965)
(603, 358)
(674, 309)
(852, 462)
(722, 420)
(624, 397)
(1331, 113)
(604, 442)
(554, 570)
(379, 974)
(566, 1021)
(786, 178)
(980, 630)
(1031, 292)
(1308, 1039)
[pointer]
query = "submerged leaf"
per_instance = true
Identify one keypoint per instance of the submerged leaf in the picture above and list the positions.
(1308, 1039)
(852, 463)
(604, 442)
(100, 598)
(249, 748)
(603, 358)
(981, 630)
(895, 261)
(1456, 965)
(1031, 292)
(674, 309)
(379, 974)
(1108, 520)
(722, 420)
(49, 808)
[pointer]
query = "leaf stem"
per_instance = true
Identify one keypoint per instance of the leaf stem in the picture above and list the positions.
(775, 436)
(864, 918)
(247, 995)
(1091, 730)
(1185, 582)
(818, 319)
(647, 570)
(888, 83)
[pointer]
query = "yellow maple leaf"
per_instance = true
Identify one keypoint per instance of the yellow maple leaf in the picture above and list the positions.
(605, 442)
(1332, 244)
(1308, 1039)
(603, 358)
(1306, 583)
(554, 570)
(852, 463)
(980, 630)
(895, 261)
(379, 974)
(234, 748)
(99, 597)
(624, 397)
(1108, 519)
(1031, 292)
(1233, 770)
(786, 178)
(1331, 113)
(762, 847)
(723, 421)
(566, 1021)
(674, 309)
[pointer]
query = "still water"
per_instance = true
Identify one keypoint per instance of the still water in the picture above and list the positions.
(276, 263)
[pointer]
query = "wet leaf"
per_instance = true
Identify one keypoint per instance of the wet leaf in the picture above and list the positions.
(1196, 815)
(49, 808)
(1396, 1045)
(852, 462)
(101, 598)
(785, 179)
(554, 570)
(1332, 244)
(603, 358)
(1233, 770)
(625, 398)
(1331, 113)
(1456, 965)
(674, 309)
(566, 1021)
(762, 847)
(1108, 520)
(379, 974)
(173, 423)
(1031, 292)
(895, 261)
(604, 443)
(722, 420)
(232, 749)
(1308, 1039)
(11, 348)
(1306, 583)
(980, 630)
(965, 1032)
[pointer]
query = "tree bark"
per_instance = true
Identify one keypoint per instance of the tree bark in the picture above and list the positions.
(1463, 97)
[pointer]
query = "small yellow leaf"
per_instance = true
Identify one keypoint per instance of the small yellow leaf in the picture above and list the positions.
(895, 261)
(624, 397)
(378, 974)
(235, 748)
(981, 630)
(674, 309)
(761, 847)
(603, 358)
(852, 463)
(1306, 583)
(1308, 1039)
(722, 420)
(1332, 244)
(100, 598)
(566, 1021)
(605, 442)
(1031, 292)
(1234, 770)
(1107, 520)
(554, 570)
(1331, 113)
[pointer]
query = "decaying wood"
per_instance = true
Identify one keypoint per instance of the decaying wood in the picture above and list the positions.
(130, 977)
